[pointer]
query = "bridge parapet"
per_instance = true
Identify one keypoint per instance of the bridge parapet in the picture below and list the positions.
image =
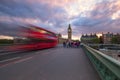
(107, 67)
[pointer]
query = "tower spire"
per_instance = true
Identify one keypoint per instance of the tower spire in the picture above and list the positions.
(69, 27)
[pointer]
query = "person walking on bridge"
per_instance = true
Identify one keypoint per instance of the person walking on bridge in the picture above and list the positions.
(64, 44)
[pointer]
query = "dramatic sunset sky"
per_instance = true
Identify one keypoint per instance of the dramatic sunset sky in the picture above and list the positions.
(85, 16)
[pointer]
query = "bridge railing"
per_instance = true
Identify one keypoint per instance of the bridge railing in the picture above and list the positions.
(107, 67)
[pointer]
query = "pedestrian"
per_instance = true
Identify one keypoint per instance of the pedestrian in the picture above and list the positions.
(72, 44)
(64, 44)
(67, 44)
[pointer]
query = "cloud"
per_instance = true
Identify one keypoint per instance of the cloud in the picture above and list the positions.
(100, 19)
(41, 11)
(9, 29)
(85, 16)
(105, 9)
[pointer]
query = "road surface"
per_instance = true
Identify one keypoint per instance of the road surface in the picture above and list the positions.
(52, 64)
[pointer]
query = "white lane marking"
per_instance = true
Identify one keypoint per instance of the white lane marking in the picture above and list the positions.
(25, 59)
(1, 54)
(14, 62)
(10, 59)
(22, 60)
(4, 65)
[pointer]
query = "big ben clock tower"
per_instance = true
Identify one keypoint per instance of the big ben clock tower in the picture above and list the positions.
(69, 32)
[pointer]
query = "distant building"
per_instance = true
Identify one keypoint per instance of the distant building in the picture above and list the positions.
(60, 39)
(107, 38)
(110, 38)
(92, 38)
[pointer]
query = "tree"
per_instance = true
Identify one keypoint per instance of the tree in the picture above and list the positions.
(115, 40)
(6, 41)
(96, 40)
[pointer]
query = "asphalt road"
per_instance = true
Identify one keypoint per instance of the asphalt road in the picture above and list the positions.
(51, 64)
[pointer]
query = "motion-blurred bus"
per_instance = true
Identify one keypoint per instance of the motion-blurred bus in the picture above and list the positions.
(31, 37)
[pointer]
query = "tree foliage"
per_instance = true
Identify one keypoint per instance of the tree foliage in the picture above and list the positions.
(96, 40)
(115, 40)
(6, 41)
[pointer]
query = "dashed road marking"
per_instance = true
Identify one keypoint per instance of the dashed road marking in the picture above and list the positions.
(22, 60)
(18, 60)
(9, 59)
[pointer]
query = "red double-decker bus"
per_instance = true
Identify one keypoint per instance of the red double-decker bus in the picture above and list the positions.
(32, 37)
(39, 38)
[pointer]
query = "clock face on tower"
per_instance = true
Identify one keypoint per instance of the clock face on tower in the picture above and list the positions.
(69, 30)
